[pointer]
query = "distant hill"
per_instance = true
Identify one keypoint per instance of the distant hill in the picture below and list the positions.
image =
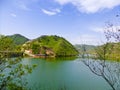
(51, 45)
(88, 48)
(110, 51)
(18, 39)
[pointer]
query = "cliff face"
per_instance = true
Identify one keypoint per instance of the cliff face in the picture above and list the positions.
(51, 46)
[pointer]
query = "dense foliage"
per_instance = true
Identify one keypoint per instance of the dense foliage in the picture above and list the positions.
(6, 43)
(54, 45)
(18, 39)
(12, 70)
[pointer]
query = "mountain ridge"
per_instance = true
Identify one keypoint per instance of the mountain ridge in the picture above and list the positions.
(18, 39)
(51, 45)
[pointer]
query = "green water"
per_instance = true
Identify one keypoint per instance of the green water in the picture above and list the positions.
(61, 74)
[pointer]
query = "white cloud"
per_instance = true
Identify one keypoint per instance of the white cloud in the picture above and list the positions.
(91, 6)
(51, 12)
(56, 10)
(48, 12)
(13, 15)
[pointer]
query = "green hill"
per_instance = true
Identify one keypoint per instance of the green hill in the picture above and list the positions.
(51, 45)
(90, 49)
(110, 51)
(18, 39)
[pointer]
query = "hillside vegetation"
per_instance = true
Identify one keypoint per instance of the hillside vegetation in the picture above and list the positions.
(51, 45)
(57, 46)
(18, 39)
(8, 48)
(110, 51)
(89, 49)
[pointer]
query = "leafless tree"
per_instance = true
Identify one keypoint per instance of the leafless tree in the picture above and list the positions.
(110, 71)
(112, 30)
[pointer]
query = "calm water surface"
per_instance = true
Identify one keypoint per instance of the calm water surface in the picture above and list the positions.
(61, 74)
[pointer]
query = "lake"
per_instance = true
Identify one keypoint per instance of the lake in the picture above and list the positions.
(66, 74)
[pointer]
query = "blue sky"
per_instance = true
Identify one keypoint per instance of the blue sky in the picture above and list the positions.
(79, 21)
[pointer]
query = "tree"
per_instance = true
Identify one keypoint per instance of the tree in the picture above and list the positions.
(36, 48)
(112, 31)
(12, 70)
(6, 43)
(110, 72)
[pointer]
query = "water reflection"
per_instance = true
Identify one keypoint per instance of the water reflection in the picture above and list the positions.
(61, 74)
(109, 71)
(59, 58)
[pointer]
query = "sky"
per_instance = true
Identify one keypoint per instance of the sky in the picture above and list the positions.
(78, 21)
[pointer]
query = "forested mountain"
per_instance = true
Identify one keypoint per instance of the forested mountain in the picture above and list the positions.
(85, 48)
(109, 51)
(58, 46)
(18, 39)
(51, 45)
